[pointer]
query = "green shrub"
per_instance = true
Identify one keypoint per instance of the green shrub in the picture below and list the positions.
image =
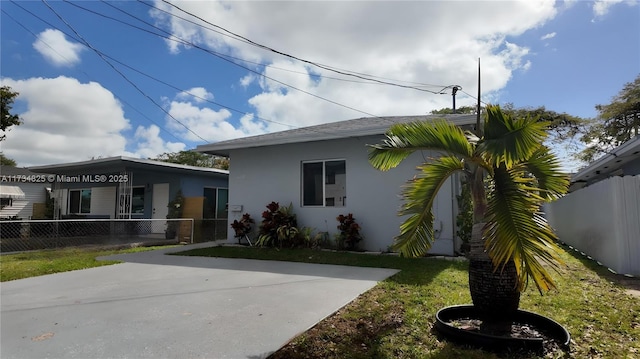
(313, 241)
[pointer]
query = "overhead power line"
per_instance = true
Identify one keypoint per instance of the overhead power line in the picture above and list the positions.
(86, 74)
(119, 72)
(187, 43)
(213, 53)
(264, 47)
(184, 42)
(149, 76)
(142, 73)
(473, 97)
(226, 58)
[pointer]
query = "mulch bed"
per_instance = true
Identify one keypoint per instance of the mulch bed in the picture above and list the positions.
(516, 330)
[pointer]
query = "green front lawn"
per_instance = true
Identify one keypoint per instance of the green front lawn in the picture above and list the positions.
(37, 263)
(395, 318)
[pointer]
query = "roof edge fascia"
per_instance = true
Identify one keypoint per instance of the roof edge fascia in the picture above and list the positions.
(623, 149)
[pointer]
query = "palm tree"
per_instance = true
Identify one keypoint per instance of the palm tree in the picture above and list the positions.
(510, 173)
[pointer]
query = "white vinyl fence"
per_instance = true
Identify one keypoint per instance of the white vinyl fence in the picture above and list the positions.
(603, 221)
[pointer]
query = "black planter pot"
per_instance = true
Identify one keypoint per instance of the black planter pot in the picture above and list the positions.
(551, 328)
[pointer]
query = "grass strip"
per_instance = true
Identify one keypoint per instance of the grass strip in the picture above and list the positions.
(37, 263)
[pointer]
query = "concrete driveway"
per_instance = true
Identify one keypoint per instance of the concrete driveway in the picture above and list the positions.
(159, 306)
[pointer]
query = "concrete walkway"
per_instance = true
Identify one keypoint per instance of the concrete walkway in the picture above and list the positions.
(160, 306)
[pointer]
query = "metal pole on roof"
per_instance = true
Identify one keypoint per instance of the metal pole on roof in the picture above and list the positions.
(454, 90)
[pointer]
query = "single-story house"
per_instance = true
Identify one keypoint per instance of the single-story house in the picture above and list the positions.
(324, 171)
(132, 188)
(23, 193)
(601, 215)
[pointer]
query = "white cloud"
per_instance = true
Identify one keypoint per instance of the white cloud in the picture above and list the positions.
(247, 80)
(548, 36)
(87, 122)
(513, 56)
(567, 4)
(601, 7)
(56, 49)
(150, 144)
(428, 42)
(198, 94)
(194, 123)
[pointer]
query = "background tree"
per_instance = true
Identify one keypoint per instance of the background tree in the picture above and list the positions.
(6, 161)
(460, 110)
(193, 158)
(7, 119)
(617, 123)
(560, 126)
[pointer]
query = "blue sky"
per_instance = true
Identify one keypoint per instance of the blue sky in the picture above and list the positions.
(166, 96)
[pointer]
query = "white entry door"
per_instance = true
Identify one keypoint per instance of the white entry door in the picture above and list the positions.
(159, 202)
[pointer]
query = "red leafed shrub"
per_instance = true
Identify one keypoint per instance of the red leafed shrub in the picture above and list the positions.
(243, 226)
(349, 235)
(278, 227)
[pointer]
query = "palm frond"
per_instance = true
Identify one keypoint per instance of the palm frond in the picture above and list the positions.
(545, 167)
(517, 231)
(416, 232)
(403, 139)
(507, 140)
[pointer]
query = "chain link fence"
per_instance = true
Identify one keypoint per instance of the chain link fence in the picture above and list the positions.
(20, 235)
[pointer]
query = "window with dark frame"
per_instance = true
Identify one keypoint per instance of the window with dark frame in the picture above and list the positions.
(80, 201)
(215, 203)
(324, 183)
(137, 201)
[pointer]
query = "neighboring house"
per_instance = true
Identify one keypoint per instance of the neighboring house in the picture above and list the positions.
(601, 215)
(622, 161)
(123, 187)
(23, 193)
(324, 172)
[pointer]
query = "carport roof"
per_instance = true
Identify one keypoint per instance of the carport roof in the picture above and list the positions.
(119, 164)
(365, 126)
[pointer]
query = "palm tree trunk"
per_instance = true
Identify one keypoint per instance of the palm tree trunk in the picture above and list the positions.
(494, 292)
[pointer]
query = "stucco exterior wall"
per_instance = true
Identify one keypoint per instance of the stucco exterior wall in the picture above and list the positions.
(261, 175)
